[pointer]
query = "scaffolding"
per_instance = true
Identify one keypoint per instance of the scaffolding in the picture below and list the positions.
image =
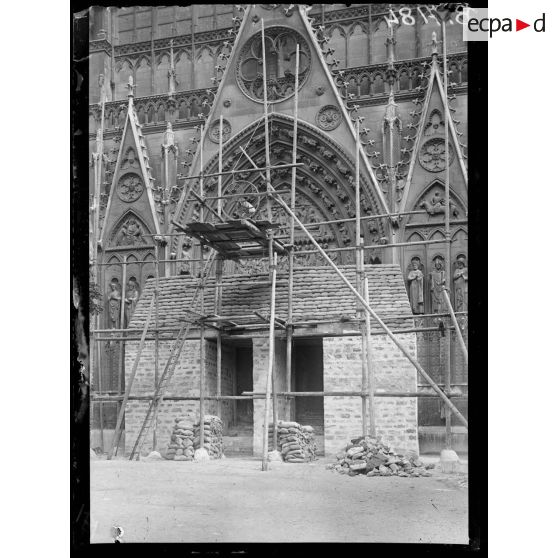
(238, 239)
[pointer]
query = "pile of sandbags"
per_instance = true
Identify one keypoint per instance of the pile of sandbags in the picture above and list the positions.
(185, 438)
(181, 446)
(370, 457)
(212, 434)
(295, 442)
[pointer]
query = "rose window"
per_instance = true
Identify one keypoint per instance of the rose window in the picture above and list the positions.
(280, 55)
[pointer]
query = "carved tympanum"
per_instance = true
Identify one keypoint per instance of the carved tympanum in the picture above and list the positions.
(130, 234)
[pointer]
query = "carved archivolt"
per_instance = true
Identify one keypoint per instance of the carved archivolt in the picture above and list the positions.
(325, 184)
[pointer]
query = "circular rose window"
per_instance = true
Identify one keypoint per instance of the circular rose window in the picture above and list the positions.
(130, 187)
(280, 56)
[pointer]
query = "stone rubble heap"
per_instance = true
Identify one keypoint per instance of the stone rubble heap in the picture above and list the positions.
(185, 438)
(295, 442)
(370, 457)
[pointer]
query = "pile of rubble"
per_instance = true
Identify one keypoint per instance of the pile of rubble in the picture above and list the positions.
(371, 457)
(295, 442)
(212, 436)
(185, 439)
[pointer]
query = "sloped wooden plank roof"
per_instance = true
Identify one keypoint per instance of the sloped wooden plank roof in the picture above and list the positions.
(319, 293)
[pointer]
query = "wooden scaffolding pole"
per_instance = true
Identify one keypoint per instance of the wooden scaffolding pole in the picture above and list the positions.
(366, 305)
(447, 224)
(156, 333)
(389, 333)
(370, 366)
(116, 437)
(288, 367)
(202, 312)
(272, 255)
(219, 275)
(359, 267)
(457, 328)
(269, 366)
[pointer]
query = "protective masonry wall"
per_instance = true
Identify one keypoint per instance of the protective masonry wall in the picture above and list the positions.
(185, 382)
(259, 371)
(396, 417)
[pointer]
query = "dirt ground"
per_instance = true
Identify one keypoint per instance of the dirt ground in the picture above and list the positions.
(234, 501)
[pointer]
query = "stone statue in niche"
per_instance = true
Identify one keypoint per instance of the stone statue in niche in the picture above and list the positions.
(114, 299)
(437, 285)
(415, 279)
(130, 234)
(460, 284)
(131, 299)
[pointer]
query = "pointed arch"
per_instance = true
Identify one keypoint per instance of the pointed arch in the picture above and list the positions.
(161, 73)
(326, 182)
(127, 233)
(358, 44)
(142, 76)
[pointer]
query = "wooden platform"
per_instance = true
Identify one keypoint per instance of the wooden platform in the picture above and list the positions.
(236, 239)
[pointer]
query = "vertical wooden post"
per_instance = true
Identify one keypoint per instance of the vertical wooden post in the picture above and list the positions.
(202, 308)
(219, 274)
(288, 367)
(272, 255)
(120, 419)
(156, 334)
(457, 328)
(370, 366)
(269, 365)
(220, 178)
(122, 343)
(359, 267)
(447, 228)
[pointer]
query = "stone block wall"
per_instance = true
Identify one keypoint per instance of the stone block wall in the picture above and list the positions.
(185, 381)
(259, 371)
(396, 417)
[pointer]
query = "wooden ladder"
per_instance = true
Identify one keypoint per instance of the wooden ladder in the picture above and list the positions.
(169, 369)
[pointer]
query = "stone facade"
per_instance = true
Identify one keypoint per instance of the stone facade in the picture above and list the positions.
(173, 90)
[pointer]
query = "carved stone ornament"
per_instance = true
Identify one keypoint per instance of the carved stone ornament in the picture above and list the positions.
(328, 117)
(130, 187)
(280, 57)
(227, 103)
(320, 90)
(432, 155)
(214, 131)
